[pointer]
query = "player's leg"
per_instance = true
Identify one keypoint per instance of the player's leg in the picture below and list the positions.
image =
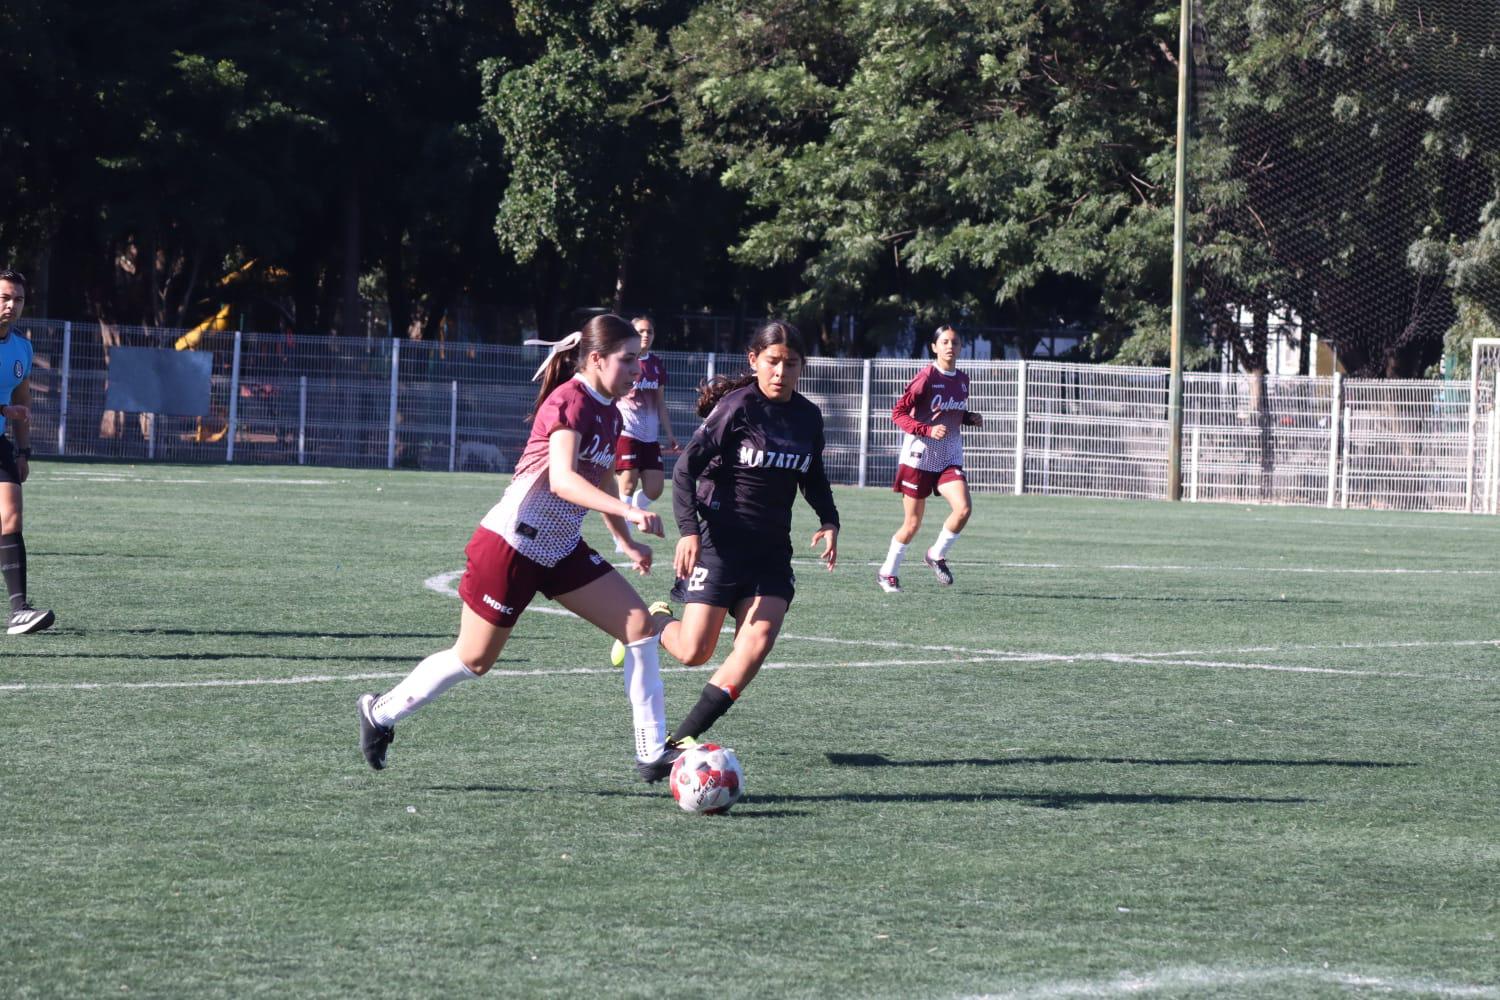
(626, 479)
(912, 509)
(652, 481)
(611, 604)
(476, 650)
(23, 618)
(759, 621)
(955, 489)
(691, 639)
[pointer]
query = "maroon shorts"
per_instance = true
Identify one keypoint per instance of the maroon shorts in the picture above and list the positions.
(921, 484)
(633, 454)
(499, 582)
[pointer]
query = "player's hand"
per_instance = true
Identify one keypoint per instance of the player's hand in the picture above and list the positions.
(673, 447)
(640, 556)
(646, 520)
(938, 432)
(829, 536)
(686, 556)
(976, 419)
(16, 412)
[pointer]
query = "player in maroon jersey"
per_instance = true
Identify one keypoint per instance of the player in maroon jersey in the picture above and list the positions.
(931, 411)
(732, 494)
(530, 542)
(643, 415)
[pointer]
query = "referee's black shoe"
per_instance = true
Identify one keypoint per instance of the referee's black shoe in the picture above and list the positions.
(28, 620)
(374, 739)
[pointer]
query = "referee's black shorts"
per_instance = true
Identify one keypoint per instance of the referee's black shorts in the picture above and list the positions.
(728, 574)
(9, 473)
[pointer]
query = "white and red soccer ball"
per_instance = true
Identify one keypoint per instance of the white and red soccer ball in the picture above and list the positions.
(707, 778)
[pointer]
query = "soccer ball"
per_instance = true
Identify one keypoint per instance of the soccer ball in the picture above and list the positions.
(707, 779)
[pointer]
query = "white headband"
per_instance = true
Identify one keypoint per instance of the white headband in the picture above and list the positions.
(558, 346)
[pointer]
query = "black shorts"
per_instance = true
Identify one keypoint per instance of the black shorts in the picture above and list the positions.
(9, 473)
(723, 576)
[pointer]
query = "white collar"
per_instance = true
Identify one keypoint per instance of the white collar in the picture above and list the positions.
(945, 371)
(606, 400)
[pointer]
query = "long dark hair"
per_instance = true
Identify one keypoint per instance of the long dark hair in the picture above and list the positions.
(604, 333)
(710, 391)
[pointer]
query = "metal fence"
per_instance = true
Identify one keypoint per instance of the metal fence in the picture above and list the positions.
(1049, 428)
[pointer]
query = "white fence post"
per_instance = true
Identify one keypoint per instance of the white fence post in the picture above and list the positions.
(453, 427)
(1494, 458)
(62, 405)
(151, 436)
(710, 375)
(390, 434)
(1334, 441)
(1020, 427)
(302, 420)
(1193, 467)
(234, 398)
(1344, 459)
(864, 421)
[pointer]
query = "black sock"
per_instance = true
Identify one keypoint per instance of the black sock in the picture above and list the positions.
(712, 703)
(13, 565)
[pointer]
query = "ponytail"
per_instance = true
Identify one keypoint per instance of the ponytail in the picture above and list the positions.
(604, 333)
(710, 391)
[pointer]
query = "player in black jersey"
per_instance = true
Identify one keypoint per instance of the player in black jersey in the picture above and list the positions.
(733, 490)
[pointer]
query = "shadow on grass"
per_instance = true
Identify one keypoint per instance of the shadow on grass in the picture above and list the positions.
(881, 760)
(443, 635)
(1041, 800)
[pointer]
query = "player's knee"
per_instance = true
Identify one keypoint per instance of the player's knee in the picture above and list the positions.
(638, 625)
(10, 523)
(698, 652)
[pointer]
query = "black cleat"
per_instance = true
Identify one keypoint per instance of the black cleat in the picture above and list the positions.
(940, 569)
(28, 620)
(652, 771)
(374, 739)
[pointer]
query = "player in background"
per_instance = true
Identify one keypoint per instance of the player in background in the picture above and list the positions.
(931, 411)
(732, 494)
(643, 414)
(15, 458)
(530, 541)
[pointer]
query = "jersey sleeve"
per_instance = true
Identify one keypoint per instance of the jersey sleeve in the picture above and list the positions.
(706, 444)
(562, 411)
(902, 412)
(815, 487)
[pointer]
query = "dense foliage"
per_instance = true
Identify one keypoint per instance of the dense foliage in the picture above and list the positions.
(858, 164)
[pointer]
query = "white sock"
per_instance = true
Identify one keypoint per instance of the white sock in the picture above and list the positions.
(893, 558)
(641, 500)
(944, 542)
(432, 677)
(648, 703)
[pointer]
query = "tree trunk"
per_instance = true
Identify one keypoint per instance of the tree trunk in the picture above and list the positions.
(398, 300)
(353, 311)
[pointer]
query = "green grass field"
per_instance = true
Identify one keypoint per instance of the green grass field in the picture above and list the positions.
(1138, 749)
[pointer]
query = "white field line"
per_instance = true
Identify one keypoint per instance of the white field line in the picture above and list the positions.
(21, 688)
(1205, 979)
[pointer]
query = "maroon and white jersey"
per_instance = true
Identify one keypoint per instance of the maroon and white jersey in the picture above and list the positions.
(933, 398)
(638, 406)
(538, 523)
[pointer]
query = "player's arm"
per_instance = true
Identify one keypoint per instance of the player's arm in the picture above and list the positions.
(818, 492)
(706, 443)
(972, 418)
(901, 413)
(569, 484)
(18, 417)
(666, 418)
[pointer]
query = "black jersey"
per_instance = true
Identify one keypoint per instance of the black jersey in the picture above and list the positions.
(738, 476)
